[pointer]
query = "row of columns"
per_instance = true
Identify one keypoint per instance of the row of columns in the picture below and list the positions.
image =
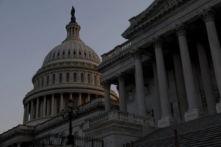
(47, 107)
(186, 87)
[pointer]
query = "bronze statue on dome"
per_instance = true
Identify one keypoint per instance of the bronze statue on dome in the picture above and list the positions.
(72, 11)
(73, 19)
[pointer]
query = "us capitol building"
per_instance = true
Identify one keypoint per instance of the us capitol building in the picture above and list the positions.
(168, 75)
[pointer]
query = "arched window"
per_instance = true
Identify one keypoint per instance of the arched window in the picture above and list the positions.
(63, 53)
(85, 54)
(67, 77)
(60, 77)
(42, 82)
(53, 78)
(53, 55)
(74, 53)
(69, 52)
(82, 77)
(47, 80)
(95, 80)
(89, 78)
(79, 53)
(75, 77)
(58, 54)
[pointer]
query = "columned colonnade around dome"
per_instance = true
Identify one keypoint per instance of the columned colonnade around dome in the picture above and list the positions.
(186, 87)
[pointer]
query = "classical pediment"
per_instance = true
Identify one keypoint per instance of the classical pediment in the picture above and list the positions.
(157, 9)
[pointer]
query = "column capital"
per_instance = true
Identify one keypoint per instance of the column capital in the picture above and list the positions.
(136, 53)
(207, 14)
(120, 76)
(180, 29)
(157, 42)
(106, 83)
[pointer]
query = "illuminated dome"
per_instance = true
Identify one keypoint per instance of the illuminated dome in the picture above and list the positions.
(68, 72)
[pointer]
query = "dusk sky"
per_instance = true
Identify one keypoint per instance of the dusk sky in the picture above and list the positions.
(29, 29)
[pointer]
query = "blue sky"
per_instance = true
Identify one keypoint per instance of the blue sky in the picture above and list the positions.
(29, 29)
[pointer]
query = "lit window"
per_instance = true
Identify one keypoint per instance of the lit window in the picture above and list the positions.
(53, 78)
(75, 77)
(67, 77)
(89, 78)
(130, 95)
(82, 77)
(60, 77)
(47, 80)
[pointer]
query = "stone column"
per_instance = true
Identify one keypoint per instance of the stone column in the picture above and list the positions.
(194, 111)
(141, 103)
(79, 99)
(88, 97)
(207, 81)
(62, 103)
(156, 91)
(32, 109)
(106, 85)
(48, 107)
(166, 119)
(52, 105)
(25, 113)
(208, 16)
(44, 106)
(122, 98)
(180, 85)
(37, 108)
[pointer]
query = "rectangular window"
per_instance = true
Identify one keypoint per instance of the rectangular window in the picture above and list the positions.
(67, 77)
(75, 77)
(146, 89)
(130, 96)
(60, 77)
(47, 80)
(53, 78)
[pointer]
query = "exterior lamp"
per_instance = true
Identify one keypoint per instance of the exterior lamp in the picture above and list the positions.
(70, 116)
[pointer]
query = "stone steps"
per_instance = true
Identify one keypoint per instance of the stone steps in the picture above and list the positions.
(204, 131)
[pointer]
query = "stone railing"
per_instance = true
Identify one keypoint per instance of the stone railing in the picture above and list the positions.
(117, 116)
(21, 129)
(99, 102)
(117, 50)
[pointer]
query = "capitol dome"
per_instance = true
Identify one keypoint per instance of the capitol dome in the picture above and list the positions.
(68, 72)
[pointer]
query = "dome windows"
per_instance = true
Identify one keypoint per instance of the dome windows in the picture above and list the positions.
(58, 54)
(89, 78)
(82, 77)
(60, 78)
(67, 77)
(47, 80)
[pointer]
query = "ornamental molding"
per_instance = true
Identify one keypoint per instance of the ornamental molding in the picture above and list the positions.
(136, 53)
(180, 29)
(157, 42)
(153, 13)
(207, 14)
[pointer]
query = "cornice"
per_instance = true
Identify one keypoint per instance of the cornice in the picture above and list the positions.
(144, 23)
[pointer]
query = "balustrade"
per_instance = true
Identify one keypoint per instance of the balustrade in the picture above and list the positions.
(117, 50)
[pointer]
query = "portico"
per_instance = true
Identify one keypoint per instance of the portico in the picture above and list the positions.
(173, 69)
